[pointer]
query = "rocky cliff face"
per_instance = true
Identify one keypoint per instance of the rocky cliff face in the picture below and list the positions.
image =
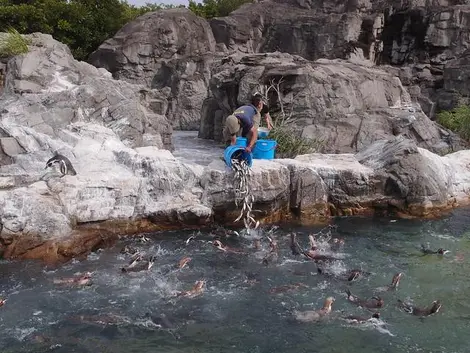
(48, 91)
(420, 42)
(421, 36)
(171, 50)
(345, 105)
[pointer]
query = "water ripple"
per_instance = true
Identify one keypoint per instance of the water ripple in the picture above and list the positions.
(247, 305)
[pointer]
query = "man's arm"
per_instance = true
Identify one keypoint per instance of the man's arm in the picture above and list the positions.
(269, 121)
(253, 139)
(254, 131)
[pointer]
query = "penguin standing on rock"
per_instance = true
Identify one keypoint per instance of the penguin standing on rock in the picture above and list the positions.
(65, 166)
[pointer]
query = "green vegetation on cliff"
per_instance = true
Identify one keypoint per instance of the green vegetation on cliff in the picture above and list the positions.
(215, 8)
(84, 24)
(81, 24)
(13, 43)
(290, 143)
(457, 120)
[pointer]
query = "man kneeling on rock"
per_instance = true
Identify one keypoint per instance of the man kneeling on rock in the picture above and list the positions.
(245, 121)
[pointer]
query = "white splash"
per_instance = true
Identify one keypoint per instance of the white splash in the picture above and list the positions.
(374, 323)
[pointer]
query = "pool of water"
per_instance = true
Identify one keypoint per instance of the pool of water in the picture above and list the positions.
(191, 149)
(237, 312)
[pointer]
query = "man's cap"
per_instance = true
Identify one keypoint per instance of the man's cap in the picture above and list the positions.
(258, 94)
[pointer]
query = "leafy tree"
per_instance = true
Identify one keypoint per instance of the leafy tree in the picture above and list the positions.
(457, 120)
(81, 24)
(215, 8)
(84, 24)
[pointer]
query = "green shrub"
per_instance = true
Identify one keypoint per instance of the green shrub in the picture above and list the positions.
(215, 8)
(290, 143)
(13, 43)
(457, 120)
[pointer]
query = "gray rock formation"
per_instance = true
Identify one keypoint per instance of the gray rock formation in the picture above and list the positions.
(46, 89)
(171, 49)
(421, 36)
(345, 105)
(119, 190)
(126, 183)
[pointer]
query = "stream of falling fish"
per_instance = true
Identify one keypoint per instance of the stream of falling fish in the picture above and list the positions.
(243, 194)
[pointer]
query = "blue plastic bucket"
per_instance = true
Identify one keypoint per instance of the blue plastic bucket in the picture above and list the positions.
(237, 152)
(263, 132)
(241, 141)
(264, 149)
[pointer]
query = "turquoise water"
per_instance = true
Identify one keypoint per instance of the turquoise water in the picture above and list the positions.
(234, 315)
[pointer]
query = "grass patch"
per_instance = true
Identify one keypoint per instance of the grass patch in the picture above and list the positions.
(456, 120)
(13, 43)
(290, 143)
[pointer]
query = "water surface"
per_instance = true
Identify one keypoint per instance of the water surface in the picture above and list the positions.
(237, 312)
(191, 149)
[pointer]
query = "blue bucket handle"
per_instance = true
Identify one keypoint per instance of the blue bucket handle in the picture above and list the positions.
(272, 148)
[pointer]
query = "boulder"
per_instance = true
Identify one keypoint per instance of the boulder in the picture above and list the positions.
(48, 90)
(344, 105)
(177, 51)
(171, 49)
(122, 190)
(420, 37)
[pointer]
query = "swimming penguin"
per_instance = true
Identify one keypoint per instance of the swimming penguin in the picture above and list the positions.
(127, 249)
(311, 254)
(218, 244)
(139, 263)
(392, 286)
(374, 302)
(81, 280)
(355, 319)
(197, 289)
(355, 274)
(273, 253)
(427, 251)
(163, 322)
(413, 310)
(287, 288)
(183, 262)
(315, 315)
(159, 320)
(65, 166)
